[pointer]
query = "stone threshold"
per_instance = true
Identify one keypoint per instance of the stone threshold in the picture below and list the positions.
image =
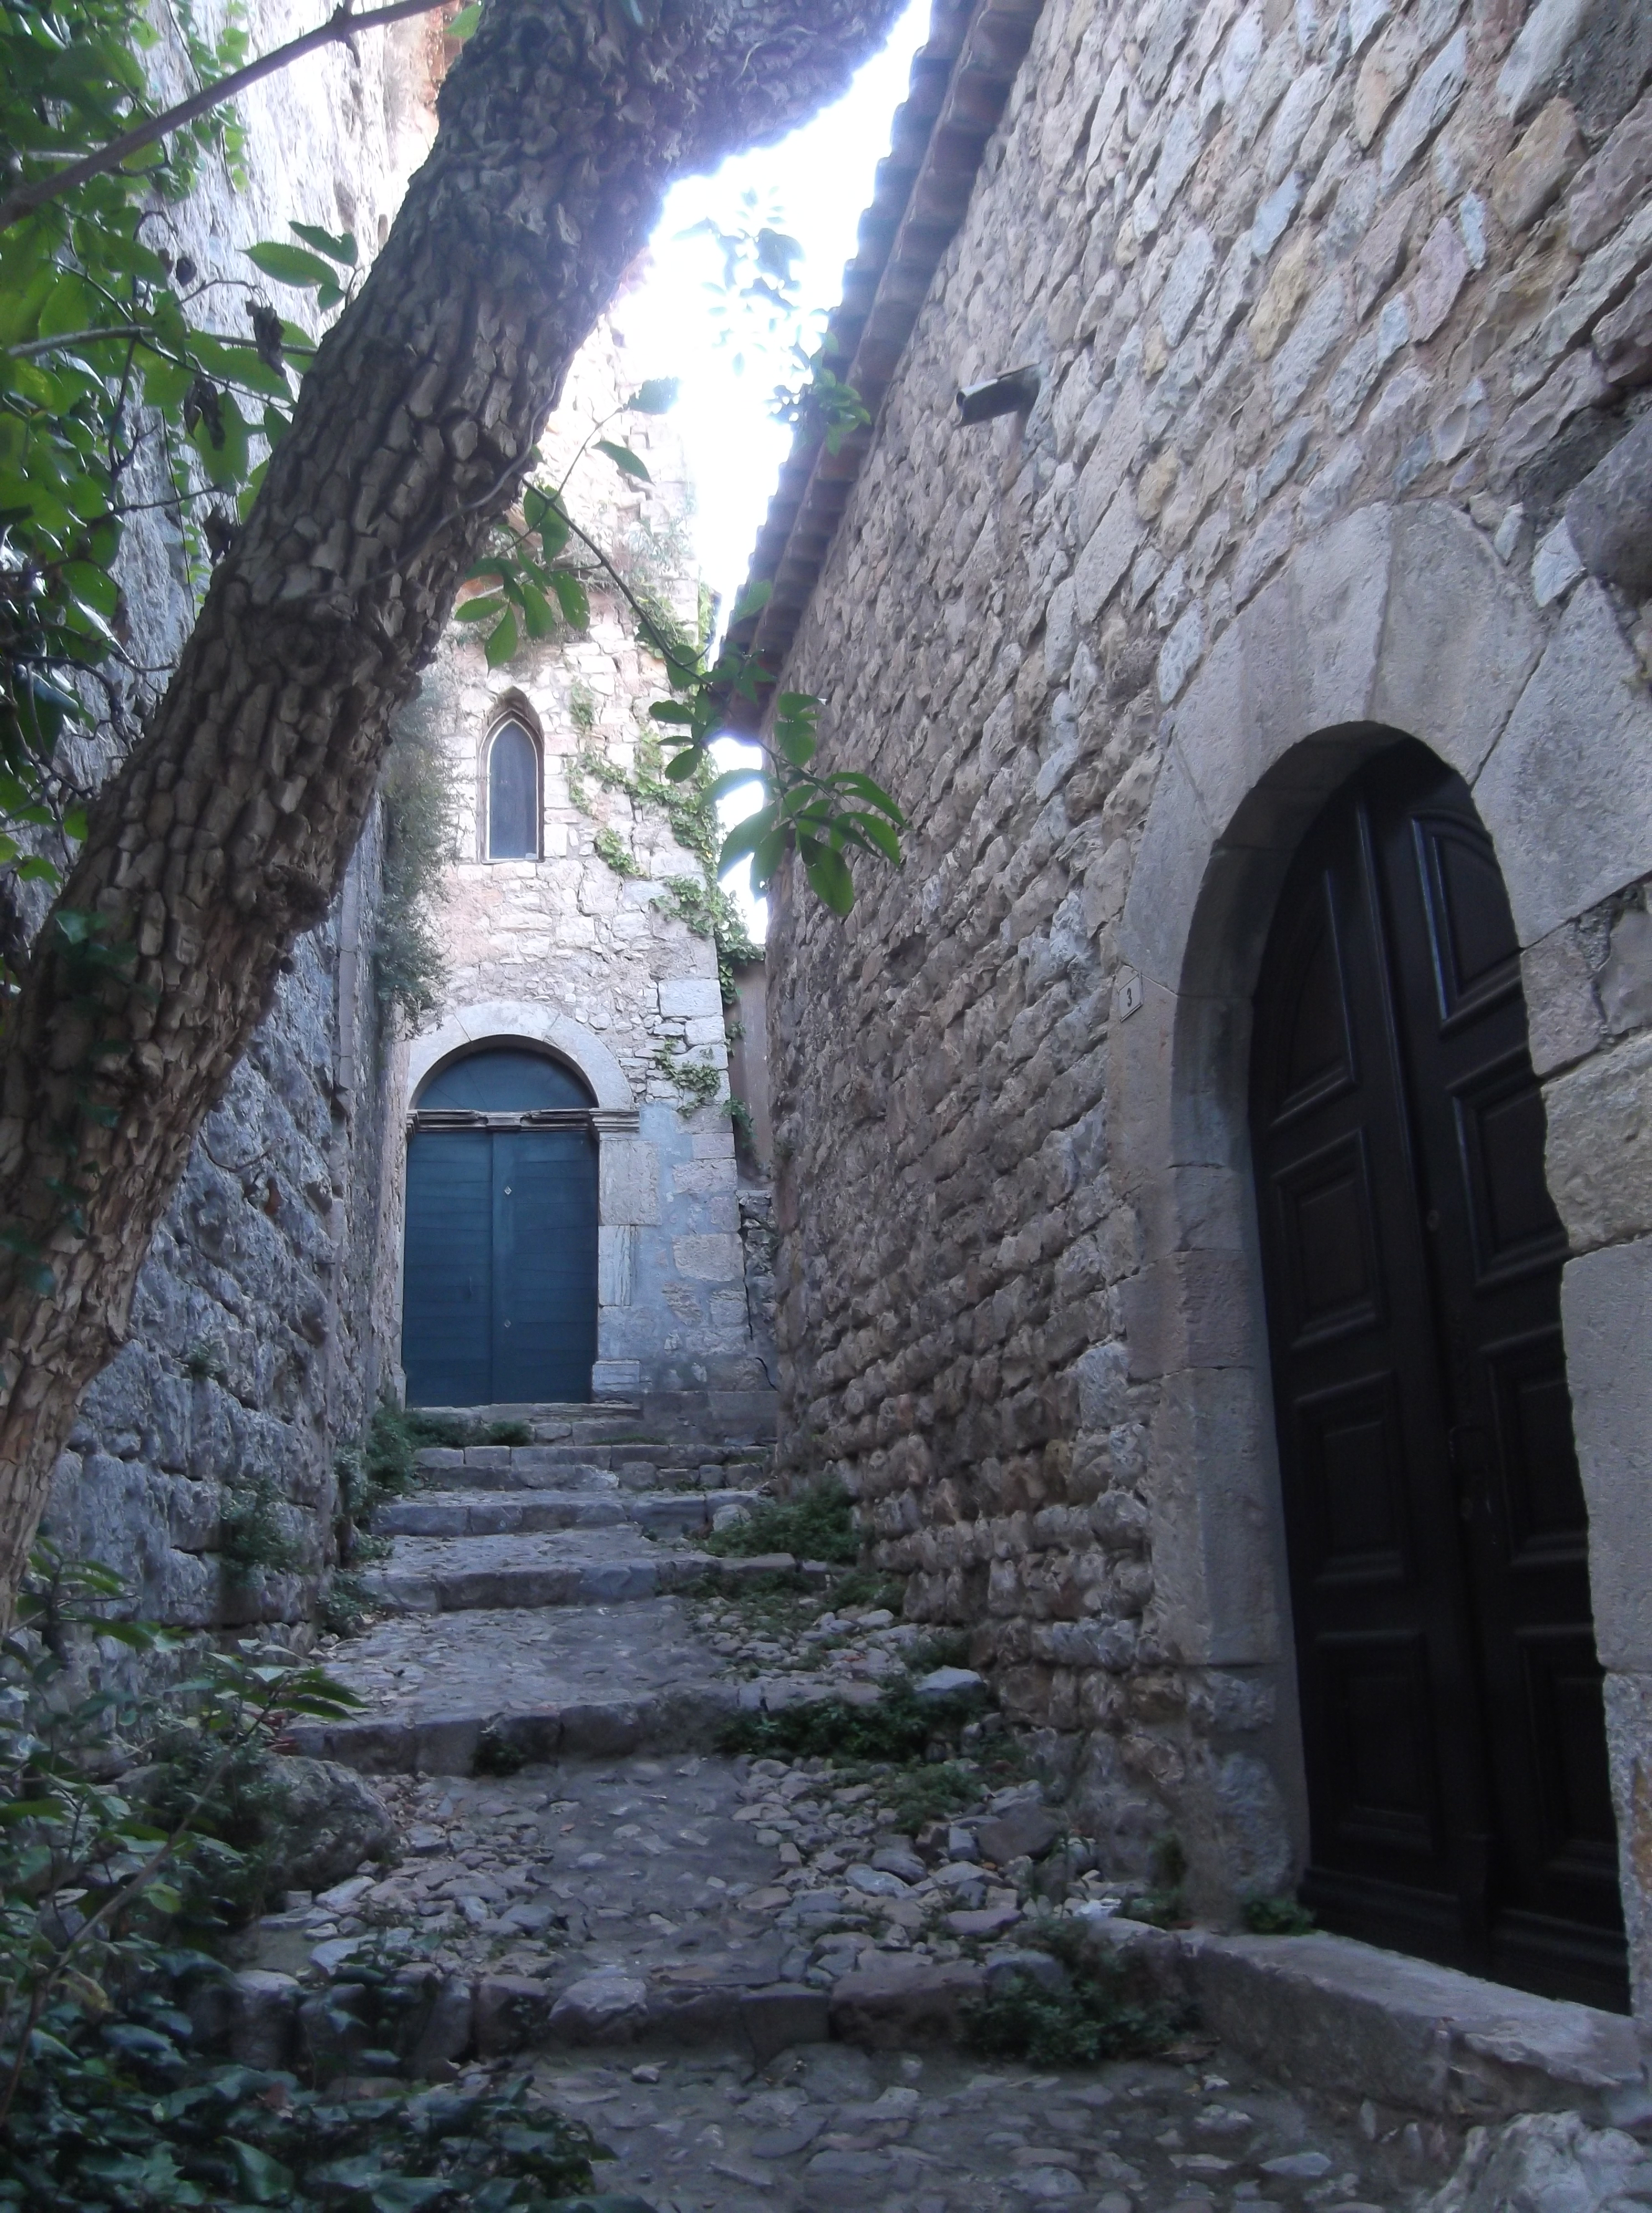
(1351, 2020)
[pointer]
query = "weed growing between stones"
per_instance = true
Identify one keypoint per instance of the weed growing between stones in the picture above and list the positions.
(914, 1796)
(1164, 1904)
(816, 1524)
(495, 1755)
(383, 1466)
(252, 1537)
(1089, 2013)
(1281, 1915)
(900, 1728)
(507, 1433)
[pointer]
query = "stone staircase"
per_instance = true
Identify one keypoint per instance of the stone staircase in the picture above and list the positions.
(569, 1520)
(529, 1589)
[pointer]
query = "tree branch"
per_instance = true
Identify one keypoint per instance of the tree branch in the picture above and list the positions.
(341, 24)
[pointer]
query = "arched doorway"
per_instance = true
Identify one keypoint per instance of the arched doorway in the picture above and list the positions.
(1451, 1716)
(499, 1302)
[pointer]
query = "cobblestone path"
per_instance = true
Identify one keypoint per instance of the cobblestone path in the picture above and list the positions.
(751, 1975)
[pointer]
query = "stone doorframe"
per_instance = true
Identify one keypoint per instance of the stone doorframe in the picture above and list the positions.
(1398, 620)
(627, 1171)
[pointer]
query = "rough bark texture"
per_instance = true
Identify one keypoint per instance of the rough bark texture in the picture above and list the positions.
(228, 829)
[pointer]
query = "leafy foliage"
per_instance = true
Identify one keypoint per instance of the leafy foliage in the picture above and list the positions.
(92, 1891)
(126, 2123)
(817, 1524)
(102, 362)
(530, 565)
(252, 1536)
(915, 1797)
(1093, 2016)
(696, 1081)
(105, 1904)
(900, 1727)
(1276, 1917)
(410, 960)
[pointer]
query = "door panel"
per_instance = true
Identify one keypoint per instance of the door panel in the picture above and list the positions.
(545, 1265)
(1453, 1725)
(447, 1327)
(499, 1300)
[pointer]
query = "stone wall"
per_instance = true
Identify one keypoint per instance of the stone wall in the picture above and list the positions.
(1334, 310)
(585, 947)
(260, 1338)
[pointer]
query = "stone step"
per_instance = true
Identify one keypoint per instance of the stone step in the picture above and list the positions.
(555, 1567)
(481, 1512)
(687, 1717)
(583, 1468)
(446, 1743)
(607, 1565)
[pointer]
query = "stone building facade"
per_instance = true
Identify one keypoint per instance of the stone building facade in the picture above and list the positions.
(1341, 323)
(585, 946)
(261, 1331)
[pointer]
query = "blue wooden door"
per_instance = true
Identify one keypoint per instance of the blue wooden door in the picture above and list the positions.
(499, 1289)
(447, 1324)
(544, 1264)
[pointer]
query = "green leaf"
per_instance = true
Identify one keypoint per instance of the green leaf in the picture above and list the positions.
(682, 765)
(732, 779)
(624, 460)
(537, 617)
(830, 879)
(264, 2180)
(339, 245)
(543, 511)
(482, 609)
(746, 837)
(863, 787)
(655, 397)
(501, 642)
(290, 265)
(464, 22)
(225, 463)
(572, 598)
(867, 826)
(403, 2193)
(766, 856)
(796, 744)
(752, 599)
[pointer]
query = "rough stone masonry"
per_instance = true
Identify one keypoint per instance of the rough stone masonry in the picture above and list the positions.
(1343, 319)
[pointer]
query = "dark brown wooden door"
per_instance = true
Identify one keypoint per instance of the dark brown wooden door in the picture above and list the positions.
(1452, 1714)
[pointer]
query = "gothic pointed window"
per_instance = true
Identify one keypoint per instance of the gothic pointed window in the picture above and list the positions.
(512, 795)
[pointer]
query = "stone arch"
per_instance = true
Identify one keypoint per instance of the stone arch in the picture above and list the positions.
(513, 1022)
(1398, 620)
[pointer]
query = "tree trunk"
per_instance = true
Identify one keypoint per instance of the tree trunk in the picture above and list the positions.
(227, 831)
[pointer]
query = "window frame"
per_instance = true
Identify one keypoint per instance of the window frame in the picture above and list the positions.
(512, 714)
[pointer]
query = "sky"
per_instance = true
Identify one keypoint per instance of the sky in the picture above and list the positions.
(819, 180)
(814, 186)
